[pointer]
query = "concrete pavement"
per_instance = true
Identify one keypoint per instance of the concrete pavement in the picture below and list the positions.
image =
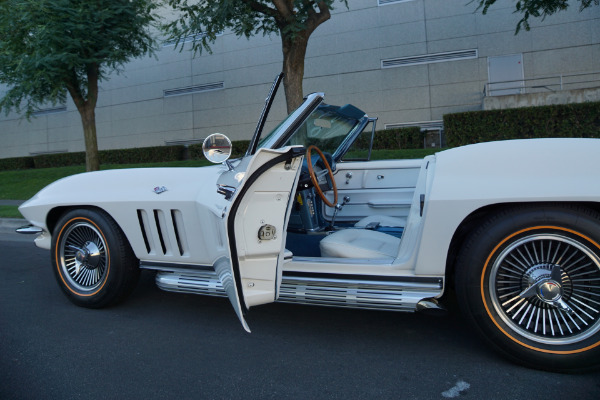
(8, 225)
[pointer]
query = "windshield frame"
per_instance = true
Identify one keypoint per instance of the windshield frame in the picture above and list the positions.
(279, 136)
(350, 138)
(289, 125)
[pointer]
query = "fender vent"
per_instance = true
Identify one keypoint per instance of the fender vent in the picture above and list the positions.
(163, 232)
(429, 58)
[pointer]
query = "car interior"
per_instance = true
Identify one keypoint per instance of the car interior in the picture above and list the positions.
(369, 216)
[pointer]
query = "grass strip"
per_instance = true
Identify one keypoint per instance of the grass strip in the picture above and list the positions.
(10, 212)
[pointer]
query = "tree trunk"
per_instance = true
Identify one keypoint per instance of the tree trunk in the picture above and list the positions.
(294, 51)
(88, 119)
(87, 111)
(294, 46)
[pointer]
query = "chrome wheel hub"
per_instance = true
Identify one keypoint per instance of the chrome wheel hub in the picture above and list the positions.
(549, 291)
(88, 256)
(83, 257)
(545, 281)
(546, 287)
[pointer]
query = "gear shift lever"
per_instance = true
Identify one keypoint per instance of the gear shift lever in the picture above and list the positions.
(337, 208)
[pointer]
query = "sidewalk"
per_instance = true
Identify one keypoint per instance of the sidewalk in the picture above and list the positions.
(11, 202)
(8, 225)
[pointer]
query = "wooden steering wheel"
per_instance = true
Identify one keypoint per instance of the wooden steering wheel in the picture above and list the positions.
(315, 181)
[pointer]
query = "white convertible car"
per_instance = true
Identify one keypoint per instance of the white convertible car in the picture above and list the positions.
(513, 227)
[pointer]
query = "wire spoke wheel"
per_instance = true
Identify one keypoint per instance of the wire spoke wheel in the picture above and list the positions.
(93, 262)
(528, 279)
(83, 256)
(546, 287)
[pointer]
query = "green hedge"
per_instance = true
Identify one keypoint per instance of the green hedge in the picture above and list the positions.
(16, 163)
(398, 138)
(142, 155)
(570, 120)
(120, 156)
(404, 138)
(58, 160)
(392, 139)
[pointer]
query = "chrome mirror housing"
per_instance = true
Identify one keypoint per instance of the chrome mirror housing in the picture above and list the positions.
(217, 148)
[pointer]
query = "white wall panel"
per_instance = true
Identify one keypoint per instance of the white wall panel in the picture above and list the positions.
(343, 60)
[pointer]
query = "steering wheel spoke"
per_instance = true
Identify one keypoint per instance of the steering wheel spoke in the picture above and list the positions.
(314, 176)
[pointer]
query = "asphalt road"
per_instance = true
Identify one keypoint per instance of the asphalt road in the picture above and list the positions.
(160, 345)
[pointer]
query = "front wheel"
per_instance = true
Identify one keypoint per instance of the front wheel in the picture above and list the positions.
(529, 279)
(93, 262)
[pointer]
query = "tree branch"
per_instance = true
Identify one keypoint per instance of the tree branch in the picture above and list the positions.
(72, 84)
(261, 8)
(285, 9)
(92, 76)
(316, 18)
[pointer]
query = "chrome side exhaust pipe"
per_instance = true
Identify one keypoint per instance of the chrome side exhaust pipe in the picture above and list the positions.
(431, 307)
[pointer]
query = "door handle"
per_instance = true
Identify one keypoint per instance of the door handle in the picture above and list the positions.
(348, 177)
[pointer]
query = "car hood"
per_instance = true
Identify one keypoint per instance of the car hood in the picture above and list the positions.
(117, 188)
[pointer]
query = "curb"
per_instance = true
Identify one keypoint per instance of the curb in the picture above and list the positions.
(8, 225)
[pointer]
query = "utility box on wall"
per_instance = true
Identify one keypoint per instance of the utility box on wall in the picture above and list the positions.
(505, 75)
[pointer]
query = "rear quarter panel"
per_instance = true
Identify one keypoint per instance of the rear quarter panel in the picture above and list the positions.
(468, 178)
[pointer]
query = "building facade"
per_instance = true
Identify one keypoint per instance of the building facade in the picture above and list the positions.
(407, 62)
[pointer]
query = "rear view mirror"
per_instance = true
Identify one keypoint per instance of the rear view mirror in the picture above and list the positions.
(217, 148)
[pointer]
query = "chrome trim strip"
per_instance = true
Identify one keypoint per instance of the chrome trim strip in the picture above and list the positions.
(294, 120)
(374, 293)
(396, 283)
(173, 267)
(198, 282)
(336, 260)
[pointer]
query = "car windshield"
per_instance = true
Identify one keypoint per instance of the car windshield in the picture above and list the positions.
(326, 127)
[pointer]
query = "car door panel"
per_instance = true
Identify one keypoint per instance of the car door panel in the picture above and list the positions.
(255, 225)
(375, 188)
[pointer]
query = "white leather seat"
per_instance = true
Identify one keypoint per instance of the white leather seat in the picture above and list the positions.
(360, 243)
(383, 220)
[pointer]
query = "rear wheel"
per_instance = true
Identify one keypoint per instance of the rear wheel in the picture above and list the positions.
(529, 280)
(92, 259)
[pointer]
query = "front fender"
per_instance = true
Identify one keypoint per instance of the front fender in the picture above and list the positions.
(162, 224)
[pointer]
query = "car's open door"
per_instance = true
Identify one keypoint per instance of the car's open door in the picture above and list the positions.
(256, 222)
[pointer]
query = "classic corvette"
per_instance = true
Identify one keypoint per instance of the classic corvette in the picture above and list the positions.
(512, 227)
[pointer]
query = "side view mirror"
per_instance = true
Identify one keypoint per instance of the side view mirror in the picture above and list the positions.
(217, 148)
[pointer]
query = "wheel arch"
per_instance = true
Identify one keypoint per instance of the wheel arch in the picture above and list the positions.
(55, 214)
(104, 244)
(466, 226)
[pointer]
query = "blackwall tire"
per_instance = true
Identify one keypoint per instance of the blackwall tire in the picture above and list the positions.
(529, 280)
(92, 260)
